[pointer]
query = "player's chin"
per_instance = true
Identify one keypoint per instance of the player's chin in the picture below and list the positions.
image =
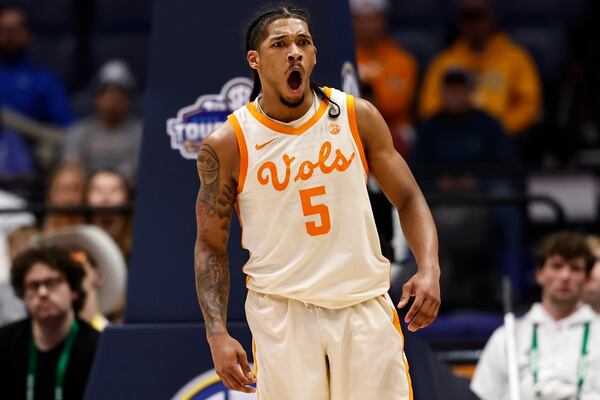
(292, 99)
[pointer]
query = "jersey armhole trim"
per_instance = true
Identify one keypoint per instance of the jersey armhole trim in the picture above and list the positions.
(355, 134)
(239, 135)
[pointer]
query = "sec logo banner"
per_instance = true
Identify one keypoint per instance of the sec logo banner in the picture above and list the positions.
(196, 122)
(208, 386)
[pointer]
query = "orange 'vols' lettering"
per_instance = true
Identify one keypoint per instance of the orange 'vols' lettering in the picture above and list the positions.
(269, 165)
(306, 169)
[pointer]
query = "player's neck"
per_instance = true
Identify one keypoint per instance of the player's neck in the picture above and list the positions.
(559, 311)
(49, 333)
(272, 106)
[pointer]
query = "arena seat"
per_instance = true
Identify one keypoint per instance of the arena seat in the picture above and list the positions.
(423, 44)
(118, 15)
(417, 13)
(121, 30)
(131, 47)
(547, 45)
(573, 10)
(56, 16)
(57, 53)
(519, 12)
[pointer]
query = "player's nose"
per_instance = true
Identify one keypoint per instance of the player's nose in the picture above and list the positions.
(294, 53)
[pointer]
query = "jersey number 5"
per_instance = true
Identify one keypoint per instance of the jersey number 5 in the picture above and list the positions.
(315, 209)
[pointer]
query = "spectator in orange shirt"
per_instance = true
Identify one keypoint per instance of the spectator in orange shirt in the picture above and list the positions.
(389, 72)
(507, 81)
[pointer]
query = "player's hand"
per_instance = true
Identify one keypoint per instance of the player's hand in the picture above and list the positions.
(231, 363)
(425, 287)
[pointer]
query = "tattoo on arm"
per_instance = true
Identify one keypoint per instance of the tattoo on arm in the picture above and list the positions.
(212, 287)
(213, 213)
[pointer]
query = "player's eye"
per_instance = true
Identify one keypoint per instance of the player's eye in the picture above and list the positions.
(278, 44)
(304, 42)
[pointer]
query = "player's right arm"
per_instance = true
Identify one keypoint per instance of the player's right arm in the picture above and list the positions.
(217, 163)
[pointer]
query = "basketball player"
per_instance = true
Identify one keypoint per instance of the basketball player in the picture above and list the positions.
(295, 163)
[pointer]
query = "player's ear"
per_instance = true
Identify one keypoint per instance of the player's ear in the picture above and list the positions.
(253, 59)
(315, 55)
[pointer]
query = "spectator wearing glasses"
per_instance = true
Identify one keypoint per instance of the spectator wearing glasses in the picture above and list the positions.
(51, 351)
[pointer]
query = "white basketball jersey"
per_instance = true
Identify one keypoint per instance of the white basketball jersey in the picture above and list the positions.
(304, 208)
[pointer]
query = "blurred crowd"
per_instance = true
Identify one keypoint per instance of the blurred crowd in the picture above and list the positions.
(477, 95)
(480, 96)
(71, 170)
(503, 101)
(473, 105)
(79, 164)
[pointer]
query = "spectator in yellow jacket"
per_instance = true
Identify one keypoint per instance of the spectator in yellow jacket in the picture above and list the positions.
(388, 71)
(507, 81)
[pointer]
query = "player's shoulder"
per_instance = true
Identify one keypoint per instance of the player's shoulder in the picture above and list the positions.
(223, 136)
(365, 111)
(223, 142)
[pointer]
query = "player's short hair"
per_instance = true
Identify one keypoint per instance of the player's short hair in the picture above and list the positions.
(256, 32)
(56, 258)
(569, 245)
(257, 28)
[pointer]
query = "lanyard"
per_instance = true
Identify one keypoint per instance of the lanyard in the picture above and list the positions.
(61, 367)
(581, 364)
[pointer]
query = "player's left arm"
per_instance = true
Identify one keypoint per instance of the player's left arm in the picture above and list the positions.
(400, 187)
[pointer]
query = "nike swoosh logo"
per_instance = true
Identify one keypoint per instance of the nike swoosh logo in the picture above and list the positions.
(261, 146)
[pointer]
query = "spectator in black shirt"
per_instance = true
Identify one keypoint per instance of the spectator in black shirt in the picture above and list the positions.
(34, 350)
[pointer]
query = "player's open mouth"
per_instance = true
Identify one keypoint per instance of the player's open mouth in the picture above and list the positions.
(294, 80)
